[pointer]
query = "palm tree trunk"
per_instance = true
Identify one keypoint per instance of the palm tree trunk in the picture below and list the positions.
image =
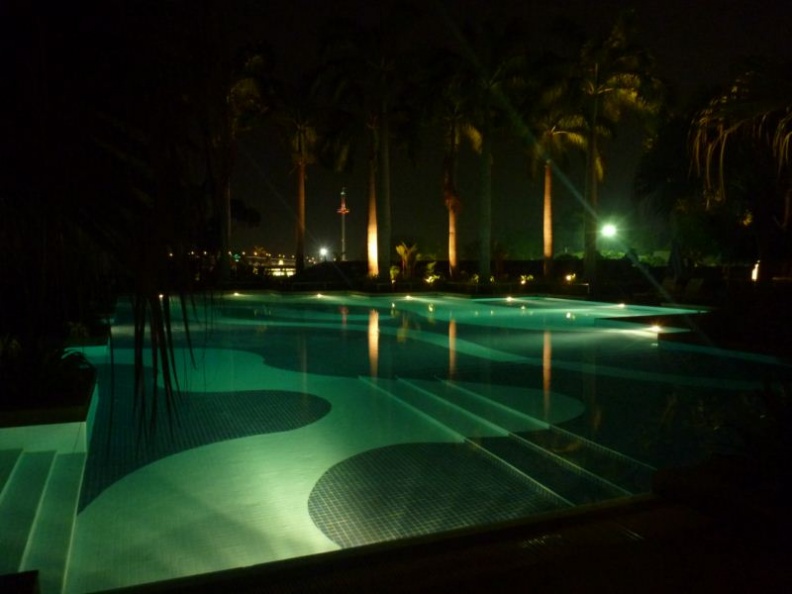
(383, 192)
(485, 213)
(371, 232)
(452, 243)
(299, 256)
(451, 198)
(547, 223)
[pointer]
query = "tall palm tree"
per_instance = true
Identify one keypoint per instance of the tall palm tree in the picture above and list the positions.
(556, 131)
(446, 107)
(298, 117)
(455, 128)
(750, 122)
(363, 74)
(613, 75)
(490, 57)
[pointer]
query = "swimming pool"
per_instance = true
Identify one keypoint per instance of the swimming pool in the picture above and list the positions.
(311, 423)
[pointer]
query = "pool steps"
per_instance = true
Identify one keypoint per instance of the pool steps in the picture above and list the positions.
(570, 468)
(460, 426)
(38, 505)
(625, 472)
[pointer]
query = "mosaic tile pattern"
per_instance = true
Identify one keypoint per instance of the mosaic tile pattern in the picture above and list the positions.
(203, 418)
(413, 489)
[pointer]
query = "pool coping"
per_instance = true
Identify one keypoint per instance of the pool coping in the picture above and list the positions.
(624, 545)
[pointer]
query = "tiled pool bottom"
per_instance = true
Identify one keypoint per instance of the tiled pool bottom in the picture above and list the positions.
(284, 451)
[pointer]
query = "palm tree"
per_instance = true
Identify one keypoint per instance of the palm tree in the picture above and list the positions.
(363, 74)
(407, 255)
(447, 108)
(489, 70)
(298, 117)
(612, 76)
(744, 129)
(456, 128)
(556, 131)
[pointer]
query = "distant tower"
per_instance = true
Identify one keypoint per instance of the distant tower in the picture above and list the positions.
(343, 211)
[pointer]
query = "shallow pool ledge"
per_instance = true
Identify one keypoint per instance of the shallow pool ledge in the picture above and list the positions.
(41, 432)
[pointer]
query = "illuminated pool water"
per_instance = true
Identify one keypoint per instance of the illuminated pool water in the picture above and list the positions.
(313, 423)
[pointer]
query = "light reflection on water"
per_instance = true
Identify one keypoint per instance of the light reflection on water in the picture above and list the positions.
(434, 377)
(583, 350)
(373, 342)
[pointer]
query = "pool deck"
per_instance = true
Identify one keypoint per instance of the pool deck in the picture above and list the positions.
(645, 544)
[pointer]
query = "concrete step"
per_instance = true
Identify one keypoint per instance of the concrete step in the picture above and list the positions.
(8, 461)
(51, 537)
(575, 484)
(20, 506)
(578, 472)
(617, 472)
(462, 424)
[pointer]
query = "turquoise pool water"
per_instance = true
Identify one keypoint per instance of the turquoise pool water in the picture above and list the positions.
(310, 423)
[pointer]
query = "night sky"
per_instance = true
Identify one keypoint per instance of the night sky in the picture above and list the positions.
(695, 43)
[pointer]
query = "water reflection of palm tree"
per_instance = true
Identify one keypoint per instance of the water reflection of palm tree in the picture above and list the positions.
(452, 359)
(547, 371)
(373, 342)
